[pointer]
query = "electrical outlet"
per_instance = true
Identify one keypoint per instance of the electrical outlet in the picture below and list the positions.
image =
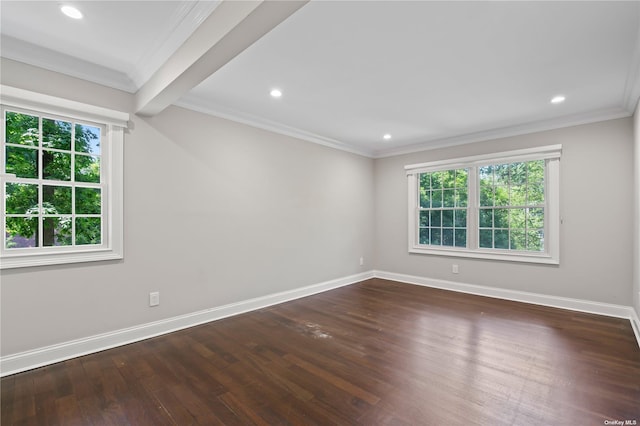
(361, 261)
(454, 268)
(154, 298)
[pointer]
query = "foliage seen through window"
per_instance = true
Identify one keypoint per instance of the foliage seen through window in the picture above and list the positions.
(55, 198)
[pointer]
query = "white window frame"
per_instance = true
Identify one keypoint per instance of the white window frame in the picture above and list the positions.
(112, 161)
(551, 253)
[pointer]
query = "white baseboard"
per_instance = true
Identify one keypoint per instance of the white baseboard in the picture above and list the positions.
(635, 324)
(28, 360)
(607, 309)
(31, 359)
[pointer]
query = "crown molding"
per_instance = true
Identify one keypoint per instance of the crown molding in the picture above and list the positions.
(51, 60)
(505, 132)
(201, 105)
(186, 19)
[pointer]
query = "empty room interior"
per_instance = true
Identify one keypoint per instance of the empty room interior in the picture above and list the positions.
(320, 212)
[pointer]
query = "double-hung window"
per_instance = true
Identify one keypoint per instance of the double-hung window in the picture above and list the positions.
(61, 170)
(501, 206)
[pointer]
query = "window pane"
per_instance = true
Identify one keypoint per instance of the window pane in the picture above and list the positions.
(88, 201)
(425, 180)
(461, 197)
(87, 139)
(501, 218)
(518, 174)
(436, 180)
(447, 218)
(22, 129)
(448, 197)
(486, 218)
(461, 178)
(501, 239)
(486, 238)
(460, 218)
(448, 179)
(21, 232)
(535, 193)
(535, 218)
(436, 198)
(424, 218)
(535, 171)
(501, 196)
(447, 237)
(56, 231)
(22, 162)
(501, 174)
(486, 196)
(56, 165)
(486, 176)
(517, 218)
(21, 198)
(87, 169)
(425, 198)
(518, 195)
(424, 235)
(516, 185)
(436, 236)
(518, 240)
(56, 199)
(535, 240)
(460, 237)
(436, 218)
(439, 193)
(88, 230)
(56, 134)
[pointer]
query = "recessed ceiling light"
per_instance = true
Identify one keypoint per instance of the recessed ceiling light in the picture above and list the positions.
(71, 12)
(558, 99)
(386, 136)
(276, 93)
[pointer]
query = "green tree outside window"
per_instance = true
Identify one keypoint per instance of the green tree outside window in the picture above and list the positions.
(55, 199)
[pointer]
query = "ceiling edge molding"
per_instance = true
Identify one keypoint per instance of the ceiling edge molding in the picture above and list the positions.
(505, 132)
(184, 22)
(632, 85)
(197, 105)
(51, 60)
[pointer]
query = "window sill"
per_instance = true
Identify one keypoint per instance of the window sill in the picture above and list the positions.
(25, 261)
(540, 258)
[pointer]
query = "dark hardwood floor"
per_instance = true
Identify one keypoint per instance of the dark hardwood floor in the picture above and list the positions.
(377, 352)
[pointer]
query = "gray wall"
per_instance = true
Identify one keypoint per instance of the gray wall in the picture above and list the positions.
(215, 212)
(596, 204)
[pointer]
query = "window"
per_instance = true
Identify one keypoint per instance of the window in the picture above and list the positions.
(502, 206)
(443, 208)
(61, 180)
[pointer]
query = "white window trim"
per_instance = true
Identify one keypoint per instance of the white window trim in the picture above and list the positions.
(551, 255)
(116, 123)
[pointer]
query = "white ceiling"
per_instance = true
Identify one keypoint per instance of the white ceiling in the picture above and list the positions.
(429, 73)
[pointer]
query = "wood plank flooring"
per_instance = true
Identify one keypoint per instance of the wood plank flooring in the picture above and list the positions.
(374, 353)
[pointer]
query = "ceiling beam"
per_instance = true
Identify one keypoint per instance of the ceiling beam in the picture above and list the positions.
(228, 30)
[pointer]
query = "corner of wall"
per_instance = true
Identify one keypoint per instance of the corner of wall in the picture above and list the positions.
(636, 216)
